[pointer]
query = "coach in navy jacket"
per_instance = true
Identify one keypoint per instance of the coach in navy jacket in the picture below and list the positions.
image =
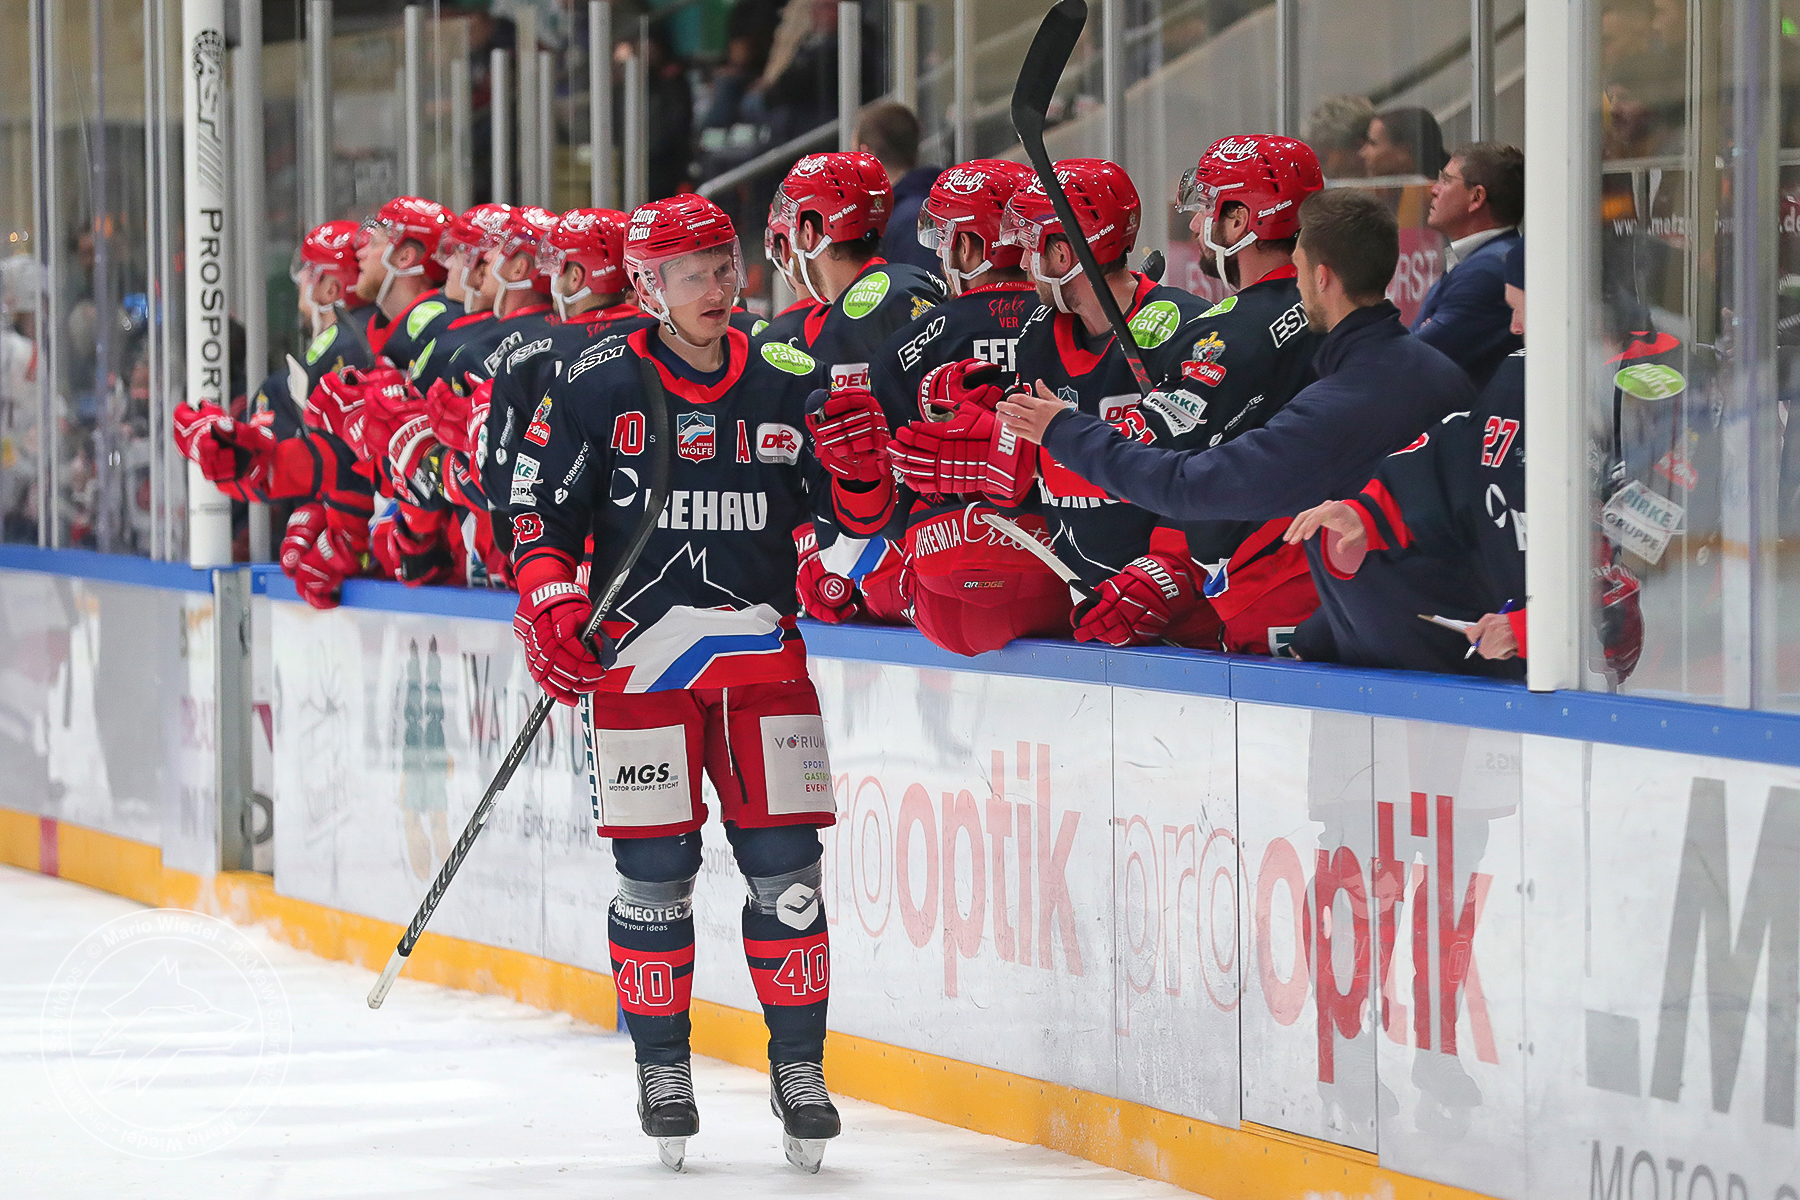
(1379, 387)
(1476, 202)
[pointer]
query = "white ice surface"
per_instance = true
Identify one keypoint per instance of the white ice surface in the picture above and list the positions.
(446, 1094)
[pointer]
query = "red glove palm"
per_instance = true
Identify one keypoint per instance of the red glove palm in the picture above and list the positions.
(824, 594)
(971, 452)
(970, 381)
(320, 576)
(1136, 605)
(303, 529)
(849, 433)
(553, 610)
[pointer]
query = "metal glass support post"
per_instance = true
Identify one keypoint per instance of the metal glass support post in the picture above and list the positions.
(233, 779)
(849, 73)
(546, 127)
(460, 167)
(412, 177)
(637, 104)
(1112, 76)
(174, 466)
(318, 110)
(110, 494)
(43, 168)
(1561, 273)
(530, 187)
(208, 228)
(962, 68)
(600, 114)
(1481, 70)
(253, 302)
(500, 122)
(158, 446)
(905, 35)
(1287, 68)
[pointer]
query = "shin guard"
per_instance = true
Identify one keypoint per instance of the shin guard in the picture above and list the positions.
(790, 960)
(651, 930)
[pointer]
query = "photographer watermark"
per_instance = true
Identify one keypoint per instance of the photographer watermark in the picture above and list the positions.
(166, 1033)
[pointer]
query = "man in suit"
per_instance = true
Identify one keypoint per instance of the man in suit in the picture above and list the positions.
(1477, 203)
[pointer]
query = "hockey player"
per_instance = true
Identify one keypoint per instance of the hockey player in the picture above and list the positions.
(462, 251)
(400, 276)
(965, 586)
(798, 324)
(1066, 348)
(700, 664)
(836, 208)
(1244, 359)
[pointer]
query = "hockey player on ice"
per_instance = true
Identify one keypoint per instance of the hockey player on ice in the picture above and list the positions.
(799, 323)
(401, 276)
(700, 665)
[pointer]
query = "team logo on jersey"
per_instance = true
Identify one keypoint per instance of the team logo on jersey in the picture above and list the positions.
(1068, 395)
(1222, 307)
(1287, 325)
(1235, 150)
(921, 306)
(538, 432)
(423, 315)
(777, 443)
(791, 359)
(696, 436)
(913, 352)
(866, 294)
(1155, 323)
(527, 527)
(1209, 373)
(320, 345)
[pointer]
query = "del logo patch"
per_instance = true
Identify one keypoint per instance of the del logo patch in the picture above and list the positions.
(696, 436)
(538, 432)
(865, 294)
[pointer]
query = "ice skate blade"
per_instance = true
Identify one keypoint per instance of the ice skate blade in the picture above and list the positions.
(805, 1153)
(673, 1152)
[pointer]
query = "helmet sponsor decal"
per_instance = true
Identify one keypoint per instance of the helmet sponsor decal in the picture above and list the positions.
(1235, 150)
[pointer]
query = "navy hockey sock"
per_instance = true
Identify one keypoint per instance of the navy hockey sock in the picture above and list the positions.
(650, 928)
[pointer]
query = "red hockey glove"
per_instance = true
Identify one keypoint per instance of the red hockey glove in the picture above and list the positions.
(389, 401)
(953, 385)
(971, 452)
(480, 400)
(449, 415)
(303, 529)
(336, 405)
(1620, 620)
(422, 548)
(552, 611)
(849, 432)
(193, 424)
(824, 595)
(320, 576)
(382, 548)
(237, 452)
(1136, 605)
(415, 463)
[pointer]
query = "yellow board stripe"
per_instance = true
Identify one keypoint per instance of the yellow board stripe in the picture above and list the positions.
(1253, 1162)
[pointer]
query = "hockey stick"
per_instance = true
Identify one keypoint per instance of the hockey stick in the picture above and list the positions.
(1015, 534)
(1044, 63)
(658, 495)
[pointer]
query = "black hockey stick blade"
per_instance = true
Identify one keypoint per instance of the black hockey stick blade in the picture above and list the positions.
(656, 496)
(1154, 266)
(1044, 64)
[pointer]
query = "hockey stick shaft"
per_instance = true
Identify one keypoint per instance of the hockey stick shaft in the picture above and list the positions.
(656, 497)
(1043, 68)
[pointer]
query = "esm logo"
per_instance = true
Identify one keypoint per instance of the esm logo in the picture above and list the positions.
(643, 773)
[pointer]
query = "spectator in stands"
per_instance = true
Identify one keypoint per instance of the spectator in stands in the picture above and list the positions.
(1337, 130)
(1404, 141)
(890, 132)
(1477, 203)
(798, 88)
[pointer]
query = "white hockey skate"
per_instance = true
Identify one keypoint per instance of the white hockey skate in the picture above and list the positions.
(808, 1118)
(666, 1109)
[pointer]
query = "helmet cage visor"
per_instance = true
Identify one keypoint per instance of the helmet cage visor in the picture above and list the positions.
(677, 279)
(1017, 229)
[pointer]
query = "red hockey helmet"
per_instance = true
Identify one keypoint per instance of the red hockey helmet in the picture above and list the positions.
(474, 231)
(593, 239)
(524, 231)
(329, 250)
(665, 230)
(971, 198)
(778, 226)
(411, 219)
(1105, 202)
(848, 191)
(1267, 174)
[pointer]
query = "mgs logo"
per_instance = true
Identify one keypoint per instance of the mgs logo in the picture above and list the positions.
(1235, 150)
